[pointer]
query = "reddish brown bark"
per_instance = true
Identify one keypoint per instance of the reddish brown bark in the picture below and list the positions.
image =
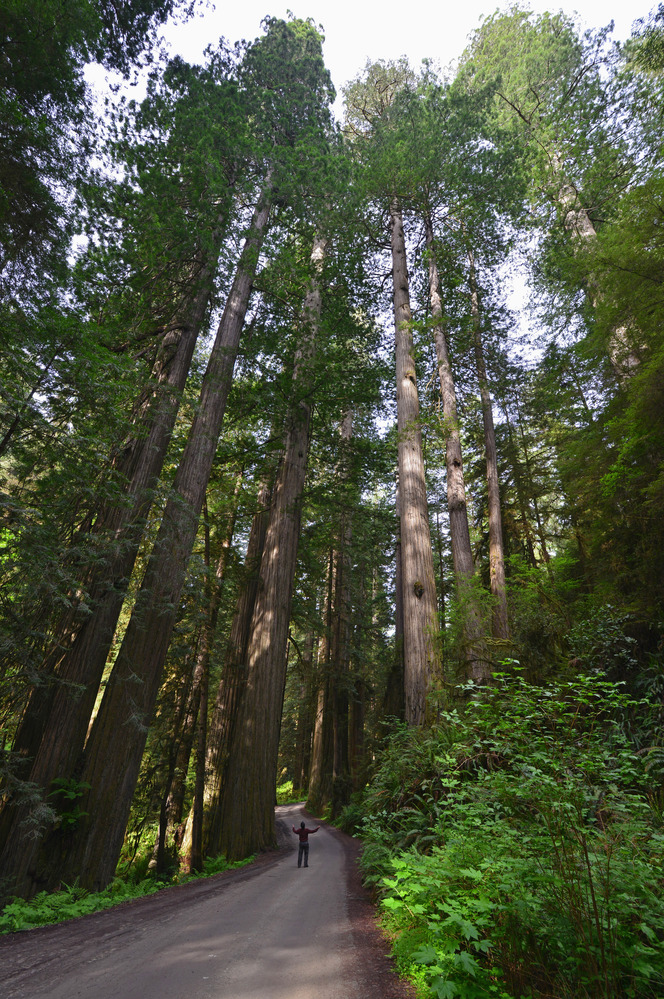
(462, 555)
(322, 750)
(421, 657)
(231, 685)
(115, 746)
(500, 624)
(247, 810)
(56, 721)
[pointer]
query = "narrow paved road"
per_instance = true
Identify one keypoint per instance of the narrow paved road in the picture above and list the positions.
(271, 931)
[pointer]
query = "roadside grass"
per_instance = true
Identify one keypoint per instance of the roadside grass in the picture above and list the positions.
(72, 901)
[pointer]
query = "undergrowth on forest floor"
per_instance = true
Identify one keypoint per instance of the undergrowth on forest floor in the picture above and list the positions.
(73, 901)
(517, 846)
(288, 795)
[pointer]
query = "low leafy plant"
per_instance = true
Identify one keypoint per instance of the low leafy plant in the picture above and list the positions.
(516, 849)
(351, 817)
(66, 793)
(73, 901)
(288, 795)
(69, 903)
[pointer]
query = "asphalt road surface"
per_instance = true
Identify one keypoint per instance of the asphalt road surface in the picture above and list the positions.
(268, 931)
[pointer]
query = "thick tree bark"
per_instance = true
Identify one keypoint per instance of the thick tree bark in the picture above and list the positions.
(115, 746)
(394, 696)
(170, 825)
(305, 716)
(421, 656)
(170, 812)
(247, 810)
(340, 652)
(500, 624)
(55, 724)
(356, 746)
(330, 770)
(231, 685)
(201, 676)
(462, 555)
(322, 750)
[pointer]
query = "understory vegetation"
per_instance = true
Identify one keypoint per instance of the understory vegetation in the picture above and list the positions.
(517, 845)
(71, 901)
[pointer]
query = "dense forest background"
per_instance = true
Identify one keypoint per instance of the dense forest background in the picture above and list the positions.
(293, 494)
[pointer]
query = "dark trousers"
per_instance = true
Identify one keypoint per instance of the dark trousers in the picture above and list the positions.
(303, 852)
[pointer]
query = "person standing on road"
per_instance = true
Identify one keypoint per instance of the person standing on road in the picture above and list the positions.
(303, 851)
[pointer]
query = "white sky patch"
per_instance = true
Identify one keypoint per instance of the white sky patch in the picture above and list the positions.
(359, 30)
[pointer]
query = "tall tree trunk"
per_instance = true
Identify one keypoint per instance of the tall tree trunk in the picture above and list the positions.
(421, 657)
(622, 352)
(201, 678)
(322, 750)
(55, 724)
(200, 683)
(394, 697)
(247, 811)
(83, 643)
(541, 534)
(305, 716)
(356, 747)
(462, 555)
(340, 651)
(500, 625)
(232, 683)
(170, 812)
(115, 746)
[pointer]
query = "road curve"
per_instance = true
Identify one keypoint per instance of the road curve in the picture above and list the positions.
(270, 931)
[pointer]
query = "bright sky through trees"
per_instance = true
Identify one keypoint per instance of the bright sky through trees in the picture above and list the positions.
(356, 30)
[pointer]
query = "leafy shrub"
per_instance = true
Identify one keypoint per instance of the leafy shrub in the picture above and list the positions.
(351, 817)
(287, 795)
(516, 847)
(68, 903)
(73, 901)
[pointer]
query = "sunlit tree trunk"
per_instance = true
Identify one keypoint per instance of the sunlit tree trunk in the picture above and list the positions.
(231, 685)
(200, 680)
(305, 715)
(500, 625)
(421, 657)
(322, 751)
(247, 811)
(115, 746)
(622, 351)
(340, 652)
(394, 697)
(462, 555)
